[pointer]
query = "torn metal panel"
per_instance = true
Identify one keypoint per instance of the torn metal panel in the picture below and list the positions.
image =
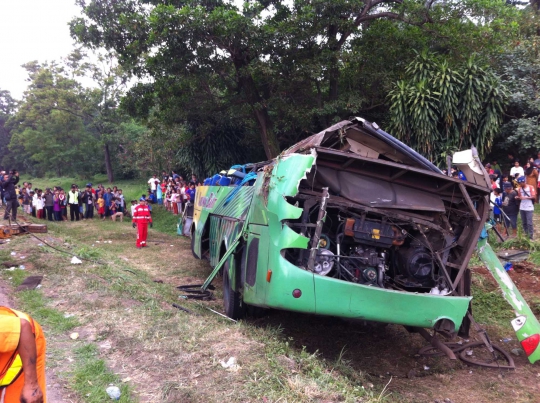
(377, 193)
(525, 324)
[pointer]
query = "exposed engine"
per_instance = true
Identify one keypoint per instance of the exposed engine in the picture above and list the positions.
(374, 251)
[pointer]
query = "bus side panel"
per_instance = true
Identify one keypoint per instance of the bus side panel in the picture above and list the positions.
(222, 231)
(344, 299)
(213, 200)
(275, 290)
(270, 206)
(285, 279)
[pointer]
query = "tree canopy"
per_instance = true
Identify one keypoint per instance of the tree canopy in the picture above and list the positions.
(282, 68)
(197, 85)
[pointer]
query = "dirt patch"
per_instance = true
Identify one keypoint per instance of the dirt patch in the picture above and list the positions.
(524, 274)
(388, 354)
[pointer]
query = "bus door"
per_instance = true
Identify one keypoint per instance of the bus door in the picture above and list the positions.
(254, 265)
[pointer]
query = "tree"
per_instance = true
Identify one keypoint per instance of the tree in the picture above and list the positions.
(94, 110)
(46, 133)
(100, 105)
(519, 67)
(284, 68)
(7, 109)
(438, 109)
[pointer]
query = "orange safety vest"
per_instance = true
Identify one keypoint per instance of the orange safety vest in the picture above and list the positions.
(15, 366)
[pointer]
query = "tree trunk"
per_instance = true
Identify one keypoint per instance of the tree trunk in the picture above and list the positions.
(247, 85)
(108, 164)
(268, 138)
(333, 77)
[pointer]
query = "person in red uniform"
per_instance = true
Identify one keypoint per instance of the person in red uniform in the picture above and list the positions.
(22, 358)
(141, 219)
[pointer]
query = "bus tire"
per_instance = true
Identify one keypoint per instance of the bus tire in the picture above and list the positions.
(232, 300)
(193, 245)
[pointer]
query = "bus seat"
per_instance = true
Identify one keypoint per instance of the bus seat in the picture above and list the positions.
(224, 181)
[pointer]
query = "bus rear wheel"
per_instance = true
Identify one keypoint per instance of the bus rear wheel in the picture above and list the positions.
(232, 300)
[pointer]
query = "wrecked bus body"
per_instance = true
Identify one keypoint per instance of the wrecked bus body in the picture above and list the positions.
(349, 222)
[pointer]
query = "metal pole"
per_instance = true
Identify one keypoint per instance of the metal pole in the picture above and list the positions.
(318, 230)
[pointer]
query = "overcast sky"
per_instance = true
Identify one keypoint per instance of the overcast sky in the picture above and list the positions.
(32, 30)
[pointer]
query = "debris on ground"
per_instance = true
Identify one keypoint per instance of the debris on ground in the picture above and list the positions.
(231, 364)
(30, 282)
(113, 392)
(75, 260)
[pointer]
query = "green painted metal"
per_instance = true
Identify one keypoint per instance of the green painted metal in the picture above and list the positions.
(210, 201)
(229, 252)
(383, 305)
(266, 208)
(526, 324)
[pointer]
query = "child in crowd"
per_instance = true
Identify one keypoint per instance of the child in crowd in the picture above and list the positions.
(174, 202)
(63, 204)
(121, 204)
(56, 206)
(101, 206)
(497, 203)
(133, 205)
(112, 207)
(115, 212)
(40, 204)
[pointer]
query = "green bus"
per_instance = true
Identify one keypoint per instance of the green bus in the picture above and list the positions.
(349, 222)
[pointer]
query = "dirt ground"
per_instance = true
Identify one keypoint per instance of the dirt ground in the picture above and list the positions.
(136, 341)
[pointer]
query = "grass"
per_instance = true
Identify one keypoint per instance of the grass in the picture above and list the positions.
(173, 356)
(55, 321)
(91, 377)
(490, 308)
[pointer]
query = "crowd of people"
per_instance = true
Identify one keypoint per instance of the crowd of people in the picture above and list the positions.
(514, 192)
(57, 204)
(172, 191)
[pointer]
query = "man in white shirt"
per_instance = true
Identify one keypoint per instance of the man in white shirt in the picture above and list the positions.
(516, 169)
(153, 182)
(526, 193)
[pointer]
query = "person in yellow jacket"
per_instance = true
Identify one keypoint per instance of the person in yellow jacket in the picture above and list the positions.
(22, 358)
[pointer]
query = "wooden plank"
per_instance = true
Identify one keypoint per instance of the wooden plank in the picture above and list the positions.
(37, 228)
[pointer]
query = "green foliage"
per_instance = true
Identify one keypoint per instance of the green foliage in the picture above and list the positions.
(62, 126)
(438, 109)
(281, 68)
(46, 135)
(520, 70)
(7, 108)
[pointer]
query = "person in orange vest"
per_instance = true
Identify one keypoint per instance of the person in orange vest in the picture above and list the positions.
(22, 358)
(141, 219)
